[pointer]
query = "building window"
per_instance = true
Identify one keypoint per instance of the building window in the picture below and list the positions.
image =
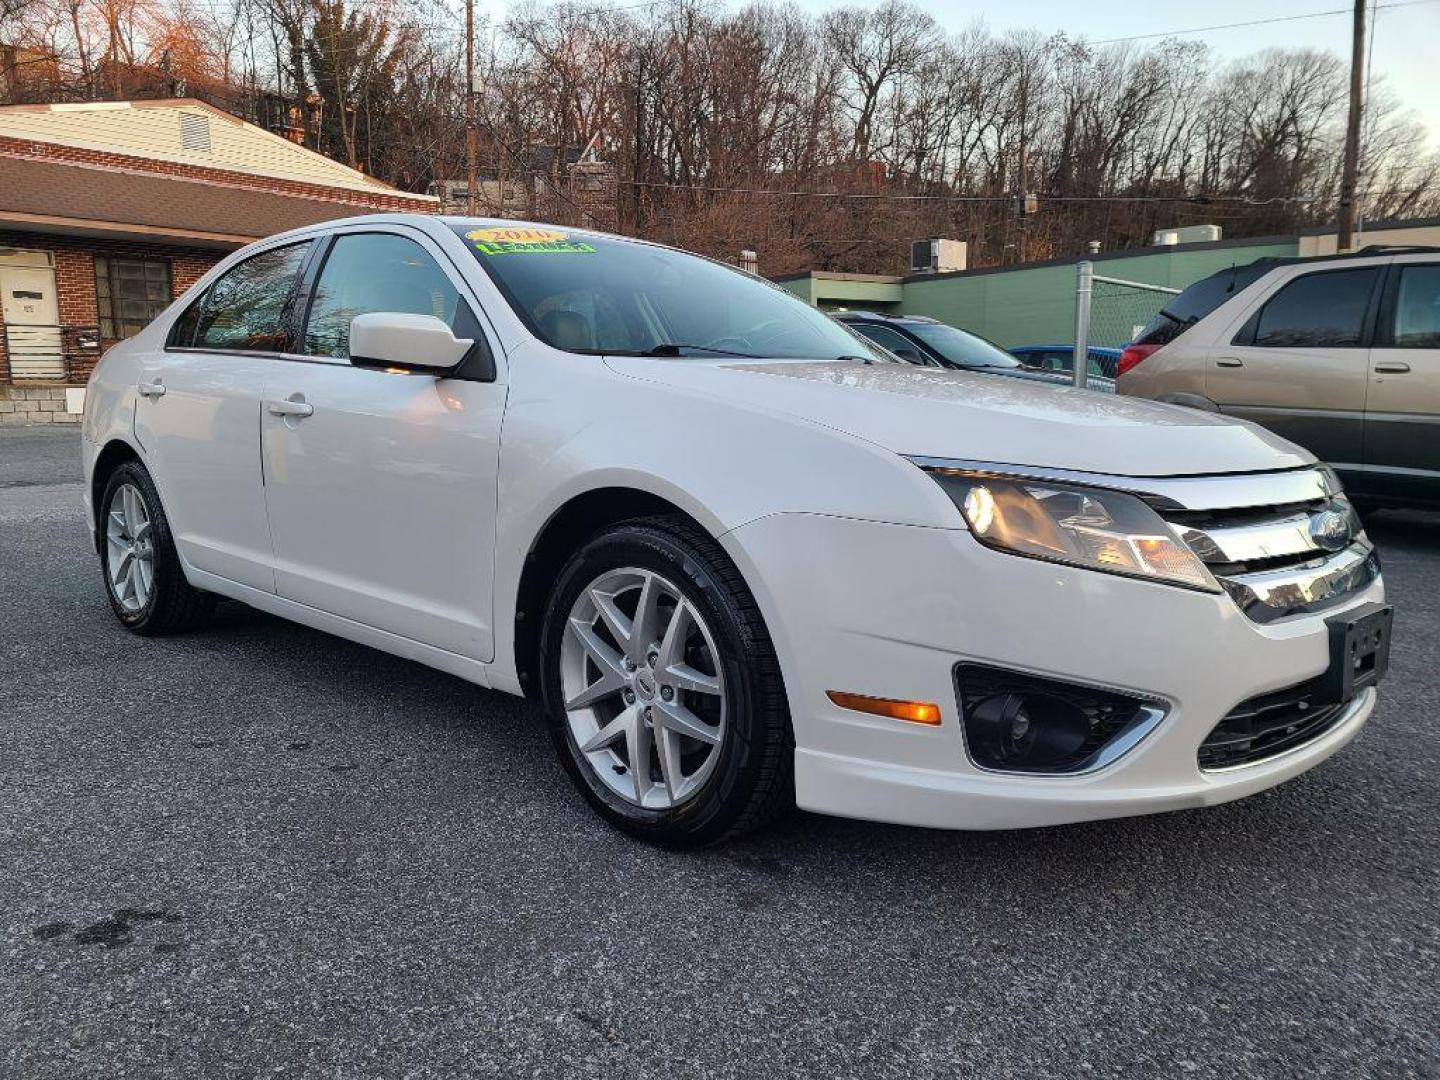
(130, 292)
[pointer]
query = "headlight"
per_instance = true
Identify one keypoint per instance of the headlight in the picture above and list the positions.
(1080, 526)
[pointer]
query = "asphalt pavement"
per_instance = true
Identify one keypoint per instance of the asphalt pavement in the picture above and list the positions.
(256, 850)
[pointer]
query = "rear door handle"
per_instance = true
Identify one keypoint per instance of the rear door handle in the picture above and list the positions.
(1229, 361)
(1392, 367)
(289, 408)
(151, 389)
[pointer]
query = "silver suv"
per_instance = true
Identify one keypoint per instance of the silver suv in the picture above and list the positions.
(1340, 354)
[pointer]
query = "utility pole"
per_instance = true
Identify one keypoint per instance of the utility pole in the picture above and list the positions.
(1346, 238)
(472, 136)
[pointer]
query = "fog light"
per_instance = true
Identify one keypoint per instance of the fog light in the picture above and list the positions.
(1015, 722)
(1026, 731)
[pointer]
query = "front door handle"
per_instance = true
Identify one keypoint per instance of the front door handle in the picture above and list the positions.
(289, 408)
(1229, 361)
(1392, 367)
(151, 389)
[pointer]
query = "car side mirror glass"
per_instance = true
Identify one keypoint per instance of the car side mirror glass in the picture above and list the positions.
(406, 342)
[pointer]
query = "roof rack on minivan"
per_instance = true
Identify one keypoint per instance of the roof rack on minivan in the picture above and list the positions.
(1397, 249)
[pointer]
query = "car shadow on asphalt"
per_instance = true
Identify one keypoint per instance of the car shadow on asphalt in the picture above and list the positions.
(444, 715)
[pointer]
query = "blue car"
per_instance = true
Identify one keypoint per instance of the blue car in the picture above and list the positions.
(1103, 360)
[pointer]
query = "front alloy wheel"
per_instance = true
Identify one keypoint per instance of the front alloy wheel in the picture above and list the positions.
(662, 686)
(644, 696)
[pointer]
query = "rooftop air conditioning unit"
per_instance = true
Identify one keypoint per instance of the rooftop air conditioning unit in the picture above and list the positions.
(1187, 234)
(937, 256)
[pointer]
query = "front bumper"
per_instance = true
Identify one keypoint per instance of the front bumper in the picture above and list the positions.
(888, 611)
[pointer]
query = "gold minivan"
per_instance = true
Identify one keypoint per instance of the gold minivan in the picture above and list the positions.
(1338, 354)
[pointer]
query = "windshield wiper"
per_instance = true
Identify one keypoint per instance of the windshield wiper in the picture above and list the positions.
(670, 348)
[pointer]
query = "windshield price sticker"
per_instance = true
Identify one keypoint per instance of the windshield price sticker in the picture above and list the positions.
(518, 241)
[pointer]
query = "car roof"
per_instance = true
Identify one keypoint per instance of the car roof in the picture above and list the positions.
(879, 316)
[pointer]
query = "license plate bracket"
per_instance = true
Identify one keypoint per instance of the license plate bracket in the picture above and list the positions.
(1359, 651)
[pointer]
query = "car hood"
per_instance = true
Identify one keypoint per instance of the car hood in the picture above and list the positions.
(927, 412)
(1102, 383)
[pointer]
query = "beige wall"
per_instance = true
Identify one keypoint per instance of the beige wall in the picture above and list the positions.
(1424, 236)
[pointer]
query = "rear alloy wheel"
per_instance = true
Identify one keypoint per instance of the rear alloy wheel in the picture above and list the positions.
(143, 576)
(663, 689)
(129, 549)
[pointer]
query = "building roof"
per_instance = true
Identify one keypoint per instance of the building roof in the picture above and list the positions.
(75, 199)
(1366, 237)
(181, 131)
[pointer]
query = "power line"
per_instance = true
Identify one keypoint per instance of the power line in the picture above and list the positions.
(584, 12)
(1197, 200)
(1256, 22)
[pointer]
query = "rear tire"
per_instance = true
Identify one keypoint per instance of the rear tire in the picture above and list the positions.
(708, 695)
(143, 576)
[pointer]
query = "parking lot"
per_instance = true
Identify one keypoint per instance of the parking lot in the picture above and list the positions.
(258, 850)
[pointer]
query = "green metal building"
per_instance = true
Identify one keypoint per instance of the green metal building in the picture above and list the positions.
(1035, 303)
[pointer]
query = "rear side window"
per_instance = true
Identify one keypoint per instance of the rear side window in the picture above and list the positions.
(1417, 308)
(247, 308)
(370, 272)
(1318, 311)
(1199, 300)
(899, 344)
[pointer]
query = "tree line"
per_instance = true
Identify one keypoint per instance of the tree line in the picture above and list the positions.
(825, 141)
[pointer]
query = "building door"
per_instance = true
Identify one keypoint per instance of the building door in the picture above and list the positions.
(30, 304)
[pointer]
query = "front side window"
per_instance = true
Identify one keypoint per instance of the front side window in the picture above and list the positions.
(370, 272)
(585, 293)
(129, 293)
(1417, 308)
(246, 308)
(1318, 311)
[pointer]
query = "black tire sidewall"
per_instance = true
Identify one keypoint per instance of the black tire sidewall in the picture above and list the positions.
(727, 792)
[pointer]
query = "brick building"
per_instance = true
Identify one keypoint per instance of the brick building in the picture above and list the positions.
(108, 211)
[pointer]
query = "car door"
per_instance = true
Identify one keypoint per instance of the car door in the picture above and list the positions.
(1297, 361)
(1402, 407)
(197, 414)
(380, 485)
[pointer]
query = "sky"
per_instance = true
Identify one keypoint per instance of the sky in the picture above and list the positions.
(1406, 47)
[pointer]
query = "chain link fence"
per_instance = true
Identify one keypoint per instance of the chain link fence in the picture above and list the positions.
(1110, 313)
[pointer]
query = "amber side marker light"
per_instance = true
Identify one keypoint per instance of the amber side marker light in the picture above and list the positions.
(915, 712)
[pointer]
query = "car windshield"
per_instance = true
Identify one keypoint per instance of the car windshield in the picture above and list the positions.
(962, 348)
(588, 293)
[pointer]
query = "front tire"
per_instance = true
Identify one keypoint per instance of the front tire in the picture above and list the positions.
(662, 688)
(143, 576)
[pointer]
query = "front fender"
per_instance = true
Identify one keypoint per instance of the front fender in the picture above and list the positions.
(574, 426)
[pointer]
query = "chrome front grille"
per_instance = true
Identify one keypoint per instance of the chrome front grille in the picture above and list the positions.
(1286, 543)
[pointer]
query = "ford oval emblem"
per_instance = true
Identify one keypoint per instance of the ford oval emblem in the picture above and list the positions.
(1330, 529)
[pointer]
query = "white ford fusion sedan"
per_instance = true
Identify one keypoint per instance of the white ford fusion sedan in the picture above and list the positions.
(742, 558)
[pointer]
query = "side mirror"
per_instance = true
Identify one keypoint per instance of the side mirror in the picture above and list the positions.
(393, 339)
(910, 356)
